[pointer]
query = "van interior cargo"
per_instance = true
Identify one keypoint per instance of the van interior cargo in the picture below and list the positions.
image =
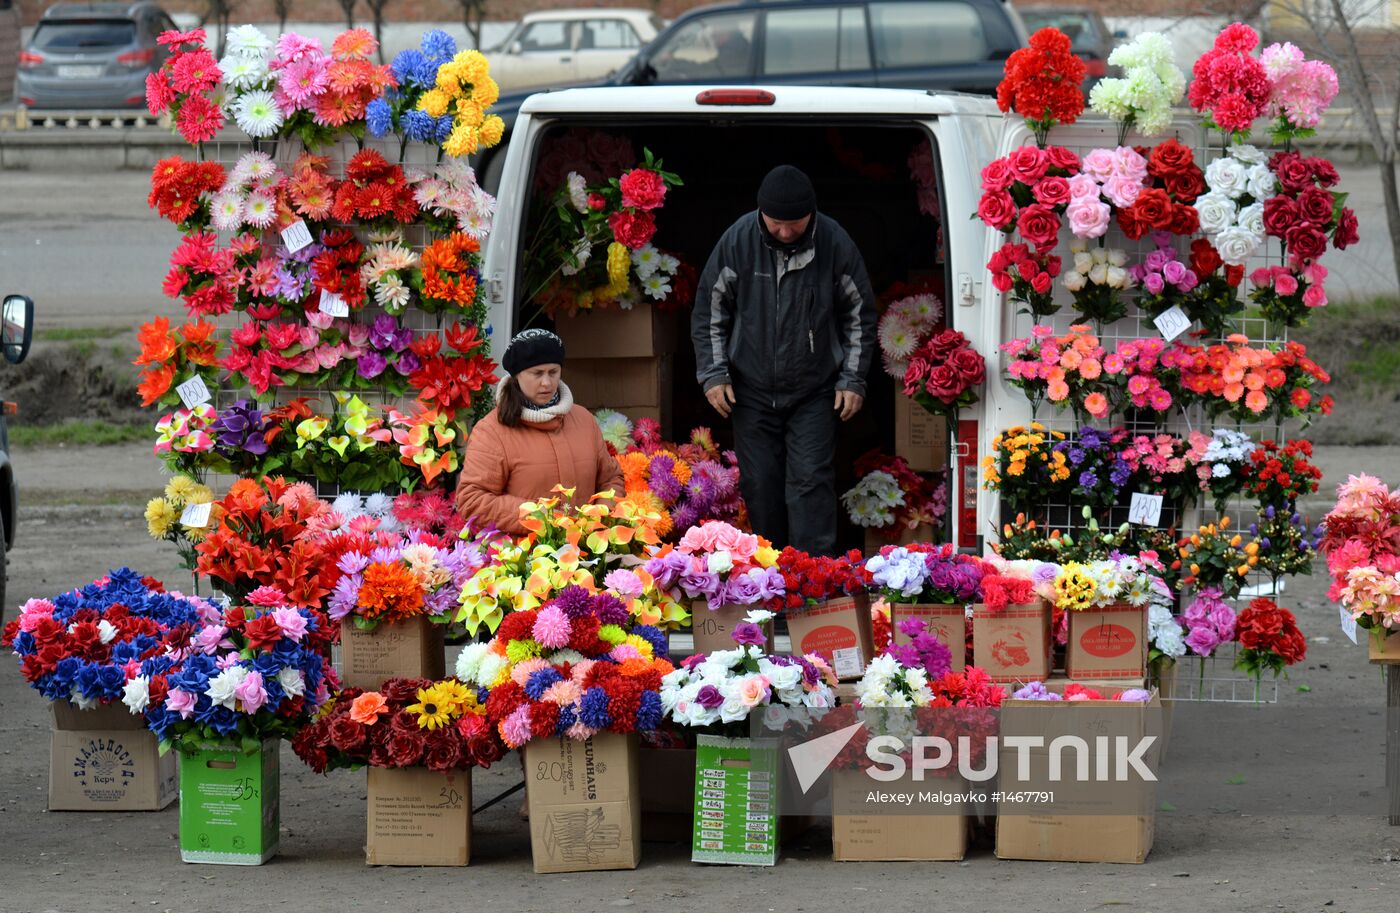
(876, 180)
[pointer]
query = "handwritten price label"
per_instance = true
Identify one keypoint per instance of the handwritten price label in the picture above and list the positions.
(1348, 624)
(196, 516)
(296, 236)
(1172, 322)
(193, 392)
(1145, 510)
(333, 305)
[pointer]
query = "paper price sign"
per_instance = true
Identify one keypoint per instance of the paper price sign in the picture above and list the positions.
(1348, 624)
(196, 516)
(1145, 510)
(296, 236)
(1172, 322)
(193, 392)
(334, 305)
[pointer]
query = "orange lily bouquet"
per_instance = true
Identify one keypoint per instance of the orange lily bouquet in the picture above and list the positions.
(170, 357)
(599, 545)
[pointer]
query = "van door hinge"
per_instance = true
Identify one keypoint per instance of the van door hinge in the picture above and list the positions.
(496, 288)
(968, 290)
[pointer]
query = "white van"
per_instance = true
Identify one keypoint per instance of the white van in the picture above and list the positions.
(857, 145)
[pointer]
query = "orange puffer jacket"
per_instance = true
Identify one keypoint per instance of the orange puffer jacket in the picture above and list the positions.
(505, 467)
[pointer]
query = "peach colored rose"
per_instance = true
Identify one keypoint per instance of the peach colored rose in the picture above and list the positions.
(367, 708)
(753, 691)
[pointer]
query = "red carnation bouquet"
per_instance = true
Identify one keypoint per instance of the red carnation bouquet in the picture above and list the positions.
(1228, 86)
(1044, 83)
(813, 579)
(1269, 639)
(945, 374)
(406, 722)
(1278, 475)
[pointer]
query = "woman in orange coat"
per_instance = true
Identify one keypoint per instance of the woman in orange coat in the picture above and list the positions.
(535, 438)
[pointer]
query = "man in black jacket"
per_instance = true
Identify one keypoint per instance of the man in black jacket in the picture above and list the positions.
(784, 331)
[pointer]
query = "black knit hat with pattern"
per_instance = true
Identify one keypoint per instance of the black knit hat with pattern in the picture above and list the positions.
(530, 348)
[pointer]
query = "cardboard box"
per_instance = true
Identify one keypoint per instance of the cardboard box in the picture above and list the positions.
(409, 649)
(640, 332)
(619, 383)
(418, 816)
(1013, 645)
(1071, 829)
(1381, 651)
(938, 831)
(839, 630)
(874, 541)
(946, 622)
(106, 760)
(711, 627)
(920, 437)
(585, 808)
(1107, 643)
(230, 808)
(736, 801)
(667, 794)
(845, 693)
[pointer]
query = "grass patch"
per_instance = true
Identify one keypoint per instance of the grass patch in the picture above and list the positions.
(77, 432)
(77, 334)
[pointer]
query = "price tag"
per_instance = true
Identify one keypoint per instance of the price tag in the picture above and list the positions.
(1348, 624)
(333, 305)
(1145, 510)
(296, 236)
(196, 516)
(1172, 322)
(193, 392)
(846, 662)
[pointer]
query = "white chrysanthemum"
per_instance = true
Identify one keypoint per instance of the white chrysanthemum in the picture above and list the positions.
(248, 41)
(898, 339)
(257, 114)
(378, 504)
(243, 72)
(347, 504)
(259, 210)
(470, 662)
(482, 201)
(647, 260)
(227, 211)
(578, 192)
(456, 172)
(391, 294)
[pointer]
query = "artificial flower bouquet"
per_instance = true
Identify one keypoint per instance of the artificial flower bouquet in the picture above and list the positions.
(722, 566)
(1142, 98)
(1208, 621)
(392, 579)
(1011, 623)
(1361, 540)
(1220, 460)
(827, 607)
(1098, 280)
(1043, 83)
(945, 374)
(1068, 370)
(77, 646)
(577, 666)
(1025, 468)
(1028, 192)
(931, 585)
(405, 723)
(166, 521)
(714, 693)
(170, 358)
(811, 580)
(686, 484)
(905, 327)
(1278, 475)
(402, 108)
(1269, 641)
(893, 501)
(1076, 691)
(1108, 604)
(247, 674)
(1214, 556)
(594, 244)
(1287, 543)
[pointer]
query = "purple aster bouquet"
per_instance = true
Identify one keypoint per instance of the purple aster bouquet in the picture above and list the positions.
(399, 578)
(1095, 467)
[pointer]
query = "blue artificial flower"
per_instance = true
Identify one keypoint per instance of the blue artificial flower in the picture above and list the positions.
(649, 711)
(418, 126)
(67, 671)
(24, 643)
(660, 647)
(593, 709)
(439, 45)
(1088, 479)
(444, 128)
(405, 64)
(425, 74)
(53, 688)
(540, 681)
(567, 718)
(378, 117)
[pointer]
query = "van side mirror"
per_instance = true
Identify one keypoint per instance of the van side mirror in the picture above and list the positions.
(16, 327)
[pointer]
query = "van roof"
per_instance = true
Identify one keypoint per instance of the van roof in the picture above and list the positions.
(787, 100)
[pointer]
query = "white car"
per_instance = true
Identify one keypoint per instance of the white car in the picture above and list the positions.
(559, 47)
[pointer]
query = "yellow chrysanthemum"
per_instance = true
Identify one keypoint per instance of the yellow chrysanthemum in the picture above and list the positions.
(160, 517)
(619, 262)
(466, 111)
(462, 141)
(473, 66)
(486, 92)
(642, 645)
(434, 102)
(493, 130)
(612, 634)
(179, 488)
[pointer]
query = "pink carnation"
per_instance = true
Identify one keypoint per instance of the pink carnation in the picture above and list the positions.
(515, 729)
(552, 628)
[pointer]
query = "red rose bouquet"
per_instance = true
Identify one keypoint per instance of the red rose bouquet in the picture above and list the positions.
(1029, 277)
(813, 579)
(945, 374)
(404, 723)
(1043, 83)
(1269, 639)
(1028, 192)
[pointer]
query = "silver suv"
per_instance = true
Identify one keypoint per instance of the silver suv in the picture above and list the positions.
(92, 55)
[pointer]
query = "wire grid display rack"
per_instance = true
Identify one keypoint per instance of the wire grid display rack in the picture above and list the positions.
(1066, 513)
(284, 152)
(1198, 680)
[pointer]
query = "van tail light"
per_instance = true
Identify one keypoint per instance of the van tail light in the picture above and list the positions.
(1095, 66)
(9, 408)
(28, 59)
(735, 97)
(965, 459)
(137, 59)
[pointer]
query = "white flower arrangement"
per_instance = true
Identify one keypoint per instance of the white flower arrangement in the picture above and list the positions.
(873, 501)
(249, 83)
(1151, 84)
(1232, 209)
(1104, 266)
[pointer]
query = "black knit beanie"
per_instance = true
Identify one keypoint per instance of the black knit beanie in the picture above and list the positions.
(786, 194)
(530, 348)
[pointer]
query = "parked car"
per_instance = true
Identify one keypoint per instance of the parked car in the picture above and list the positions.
(559, 47)
(9, 48)
(957, 45)
(92, 55)
(16, 333)
(1089, 35)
